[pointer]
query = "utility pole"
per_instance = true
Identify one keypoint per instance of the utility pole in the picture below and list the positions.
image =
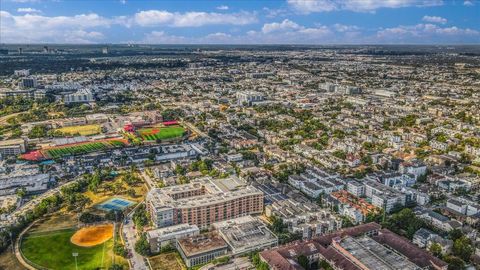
(75, 255)
(11, 241)
(114, 233)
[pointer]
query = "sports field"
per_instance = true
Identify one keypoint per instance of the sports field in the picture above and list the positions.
(162, 133)
(92, 235)
(84, 130)
(54, 250)
(81, 148)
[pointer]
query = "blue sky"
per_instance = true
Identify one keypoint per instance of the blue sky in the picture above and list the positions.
(241, 21)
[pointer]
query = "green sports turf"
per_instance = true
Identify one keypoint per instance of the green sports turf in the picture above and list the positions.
(54, 250)
(163, 133)
(82, 148)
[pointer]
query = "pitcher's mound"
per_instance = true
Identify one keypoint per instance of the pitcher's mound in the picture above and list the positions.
(92, 236)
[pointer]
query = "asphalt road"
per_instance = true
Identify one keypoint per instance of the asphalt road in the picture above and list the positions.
(129, 235)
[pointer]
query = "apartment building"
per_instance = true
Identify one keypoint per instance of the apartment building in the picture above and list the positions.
(384, 196)
(203, 202)
(315, 181)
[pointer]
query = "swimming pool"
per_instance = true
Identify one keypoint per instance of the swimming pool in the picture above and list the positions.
(114, 204)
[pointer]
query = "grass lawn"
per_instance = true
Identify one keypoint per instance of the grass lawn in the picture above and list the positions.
(84, 130)
(151, 134)
(57, 221)
(167, 261)
(54, 250)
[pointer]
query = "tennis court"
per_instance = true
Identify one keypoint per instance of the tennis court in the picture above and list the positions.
(114, 204)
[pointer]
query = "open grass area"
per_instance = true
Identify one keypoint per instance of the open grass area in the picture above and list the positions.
(162, 133)
(102, 195)
(81, 148)
(54, 250)
(57, 221)
(84, 130)
(167, 261)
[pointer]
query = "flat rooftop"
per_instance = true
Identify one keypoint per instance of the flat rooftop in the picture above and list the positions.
(199, 244)
(172, 230)
(206, 191)
(374, 255)
(11, 142)
(245, 232)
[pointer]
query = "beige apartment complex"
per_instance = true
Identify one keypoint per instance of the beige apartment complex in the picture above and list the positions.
(203, 202)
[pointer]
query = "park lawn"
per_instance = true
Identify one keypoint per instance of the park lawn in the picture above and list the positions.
(56, 221)
(54, 250)
(163, 133)
(167, 261)
(84, 130)
(101, 196)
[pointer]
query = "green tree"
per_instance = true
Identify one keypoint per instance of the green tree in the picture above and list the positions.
(38, 131)
(140, 217)
(462, 247)
(119, 249)
(115, 267)
(436, 250)
(454, 263)
(303, 261)
(455, 234)
(141, 246)
(21, 192)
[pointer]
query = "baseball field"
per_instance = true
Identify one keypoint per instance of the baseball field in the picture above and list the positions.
(54, 249)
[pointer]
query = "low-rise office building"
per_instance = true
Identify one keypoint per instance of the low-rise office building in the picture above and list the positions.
(201, 249)
(246, 234)
(12, 147)
(162, 237)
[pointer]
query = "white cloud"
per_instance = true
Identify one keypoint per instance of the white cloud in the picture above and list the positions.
(160, 37)
(153, 17)
(61, 29)
(468, 3)
(284, 25)
(275, 12)
(309, 6)
(28, 10)
(192, 19)
(222, 7)
(345, 28)
(434, 19)
(428, 33)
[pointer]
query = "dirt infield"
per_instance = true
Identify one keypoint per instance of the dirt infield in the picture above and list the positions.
(92, 236)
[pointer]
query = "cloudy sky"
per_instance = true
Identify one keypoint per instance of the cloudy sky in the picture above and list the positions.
(241, 21)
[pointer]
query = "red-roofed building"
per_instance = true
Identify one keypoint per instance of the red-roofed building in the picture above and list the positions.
(170, 123)
(361, 247)
(129, 128)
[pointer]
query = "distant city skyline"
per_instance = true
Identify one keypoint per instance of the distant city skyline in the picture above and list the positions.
(241, 22)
